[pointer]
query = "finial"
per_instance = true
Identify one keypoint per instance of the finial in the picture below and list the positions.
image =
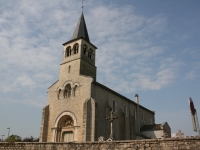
(82, 6)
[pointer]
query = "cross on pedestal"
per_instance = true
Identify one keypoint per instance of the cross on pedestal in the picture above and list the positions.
(111, 119)
(179, 134)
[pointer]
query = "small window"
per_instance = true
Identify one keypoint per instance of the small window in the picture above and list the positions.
(69, 68)
(135, 114)
(113, 106)
(75, 90)
(125, 110)
(59, 93)
(142, 115)
(84, 49)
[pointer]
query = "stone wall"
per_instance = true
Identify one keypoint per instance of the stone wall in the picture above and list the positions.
(152, 144)
(125, 125)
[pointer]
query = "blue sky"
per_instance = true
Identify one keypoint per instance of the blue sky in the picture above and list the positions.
(150, 48)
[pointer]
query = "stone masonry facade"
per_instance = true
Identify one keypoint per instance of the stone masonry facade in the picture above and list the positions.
(151, 144)
(78, 105)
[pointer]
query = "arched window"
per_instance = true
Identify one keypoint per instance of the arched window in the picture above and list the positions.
(75, 48)
(68, 51)
(84, 49)
(90, 54)
(150, 120)
(59, 93)
(75, 90)
(142, 117)
(67, 92)
(134, 112)
(113, 106)
(125, 110)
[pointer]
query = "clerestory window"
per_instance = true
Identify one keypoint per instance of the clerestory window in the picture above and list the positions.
(125, 110)
(113, 106)
(142, 117)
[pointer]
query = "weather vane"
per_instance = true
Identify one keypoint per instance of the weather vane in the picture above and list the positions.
(82, 6)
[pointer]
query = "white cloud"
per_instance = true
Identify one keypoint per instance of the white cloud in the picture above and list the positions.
(23, 81)
(129, 56)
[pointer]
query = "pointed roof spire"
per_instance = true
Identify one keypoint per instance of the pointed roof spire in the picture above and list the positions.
(81, 29)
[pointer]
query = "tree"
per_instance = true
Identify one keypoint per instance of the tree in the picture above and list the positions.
(14, 138)
(30, 139)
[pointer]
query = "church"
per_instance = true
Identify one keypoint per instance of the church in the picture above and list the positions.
(78, 105)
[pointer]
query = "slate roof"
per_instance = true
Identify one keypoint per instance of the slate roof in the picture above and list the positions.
(153, 127)
(106, 88)
(81, 30)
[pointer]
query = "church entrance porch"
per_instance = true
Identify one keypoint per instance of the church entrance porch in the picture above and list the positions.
(65, 129)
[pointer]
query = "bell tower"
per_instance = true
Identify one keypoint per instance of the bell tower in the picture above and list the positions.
(79, 53)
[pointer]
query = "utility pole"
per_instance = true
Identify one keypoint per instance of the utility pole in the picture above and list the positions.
(8, 131)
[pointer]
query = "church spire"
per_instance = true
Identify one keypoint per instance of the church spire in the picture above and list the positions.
(81, 30)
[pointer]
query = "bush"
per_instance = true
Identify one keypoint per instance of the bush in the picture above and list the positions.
(14, 138)
(30, 139)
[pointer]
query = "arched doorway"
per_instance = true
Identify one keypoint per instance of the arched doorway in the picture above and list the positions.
(65, 129)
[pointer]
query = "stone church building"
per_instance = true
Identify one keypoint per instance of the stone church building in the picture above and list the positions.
(78, 105)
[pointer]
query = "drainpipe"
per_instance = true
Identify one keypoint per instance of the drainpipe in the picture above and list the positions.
(138, 115)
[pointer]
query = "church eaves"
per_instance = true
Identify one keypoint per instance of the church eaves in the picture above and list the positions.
(81, 30)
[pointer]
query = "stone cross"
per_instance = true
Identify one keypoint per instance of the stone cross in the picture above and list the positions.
(111, 119)
(179, 134)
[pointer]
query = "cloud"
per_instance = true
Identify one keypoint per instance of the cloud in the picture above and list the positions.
(193, 72)
(129, 55)
(23, 81)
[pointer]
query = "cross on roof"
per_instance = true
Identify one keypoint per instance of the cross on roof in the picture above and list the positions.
(82, 6)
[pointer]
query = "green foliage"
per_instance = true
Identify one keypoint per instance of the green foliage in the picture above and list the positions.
(30, 139)
(14, 138)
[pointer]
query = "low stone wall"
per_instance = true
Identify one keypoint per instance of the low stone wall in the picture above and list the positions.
(150, 144)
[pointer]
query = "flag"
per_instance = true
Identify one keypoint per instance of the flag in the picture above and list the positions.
(192, 109)
(193, 113)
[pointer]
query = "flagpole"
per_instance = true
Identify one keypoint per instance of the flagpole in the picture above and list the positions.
(197, 123)
(194, 122)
